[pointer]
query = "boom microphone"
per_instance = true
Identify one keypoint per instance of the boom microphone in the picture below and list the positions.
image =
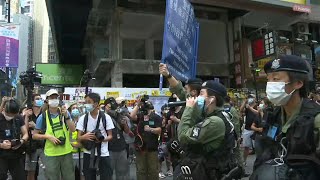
(176, 104)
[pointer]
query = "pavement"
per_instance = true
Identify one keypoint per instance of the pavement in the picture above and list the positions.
(249, 169)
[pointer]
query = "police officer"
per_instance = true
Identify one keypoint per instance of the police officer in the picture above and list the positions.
(192, 86)
(294, 126)
(209, 142)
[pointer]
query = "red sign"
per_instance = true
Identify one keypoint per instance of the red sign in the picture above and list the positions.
(258, 49)
(302, 8)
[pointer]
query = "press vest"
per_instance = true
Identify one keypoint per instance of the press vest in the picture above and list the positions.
(51, 149)
(74, 137)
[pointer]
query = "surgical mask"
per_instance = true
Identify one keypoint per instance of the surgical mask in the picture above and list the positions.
(8, 118)
(276, 93)
(39, 103)
(261, 106)
(54, 102)
(89, 107)
(201, 102)
(75, 113)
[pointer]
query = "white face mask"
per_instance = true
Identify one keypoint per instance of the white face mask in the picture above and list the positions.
(54, 103)
(277, 94)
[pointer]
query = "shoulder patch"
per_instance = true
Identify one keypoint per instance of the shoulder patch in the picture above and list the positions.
(196, 132)
(197, 129)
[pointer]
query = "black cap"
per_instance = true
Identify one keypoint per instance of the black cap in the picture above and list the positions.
(216, 87)
(110, 100)
(287, 63)
(195, 81)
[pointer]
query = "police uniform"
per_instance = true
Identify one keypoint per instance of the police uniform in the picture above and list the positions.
(209, 138)
(174, 145)
(300, 133)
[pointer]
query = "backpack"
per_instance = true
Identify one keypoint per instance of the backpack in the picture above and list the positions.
(101, 115)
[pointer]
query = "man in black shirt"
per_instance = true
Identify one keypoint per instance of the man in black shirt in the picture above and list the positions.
(251, 115)
(117, 146)
(13, 134)
(34, 148)
(148, 131)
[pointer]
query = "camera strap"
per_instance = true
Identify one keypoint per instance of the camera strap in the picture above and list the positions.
(55, 127)
(94, 162)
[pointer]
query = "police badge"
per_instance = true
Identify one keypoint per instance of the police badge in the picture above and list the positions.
(275, 64)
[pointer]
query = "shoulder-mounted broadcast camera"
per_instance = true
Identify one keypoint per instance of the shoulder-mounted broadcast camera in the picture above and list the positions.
(145, 105)
(28, 79)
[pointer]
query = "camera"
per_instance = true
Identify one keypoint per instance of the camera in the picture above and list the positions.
(62, 140)
(91, 144)
(28, 79)
(146, 105)
(98, 134)
(15, 142)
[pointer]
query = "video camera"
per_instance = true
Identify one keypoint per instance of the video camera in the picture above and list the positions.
(169, 110)
(28, 79)
(145, 105)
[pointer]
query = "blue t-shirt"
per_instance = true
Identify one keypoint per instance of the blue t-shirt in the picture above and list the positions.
(41, 126)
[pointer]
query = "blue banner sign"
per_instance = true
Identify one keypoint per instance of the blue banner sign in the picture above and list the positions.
(180, 40)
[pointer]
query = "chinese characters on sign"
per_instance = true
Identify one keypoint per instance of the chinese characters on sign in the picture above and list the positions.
(9, 46)
(180, 41)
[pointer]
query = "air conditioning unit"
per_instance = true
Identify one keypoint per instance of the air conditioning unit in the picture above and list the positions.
(301, 31)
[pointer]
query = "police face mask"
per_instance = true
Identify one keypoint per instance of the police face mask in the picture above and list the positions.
(201, 102)
(276, 93)
(75, 113)
(39, 103)
(54, 103)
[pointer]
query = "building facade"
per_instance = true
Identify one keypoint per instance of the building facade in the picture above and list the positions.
(122, 43)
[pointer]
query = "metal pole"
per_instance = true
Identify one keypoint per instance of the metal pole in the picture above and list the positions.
(7, 68)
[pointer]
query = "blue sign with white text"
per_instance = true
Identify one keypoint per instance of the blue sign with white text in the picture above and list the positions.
(180, 40)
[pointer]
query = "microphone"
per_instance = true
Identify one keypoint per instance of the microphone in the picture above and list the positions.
(176, 104)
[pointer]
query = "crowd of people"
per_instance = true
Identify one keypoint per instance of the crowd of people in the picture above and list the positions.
(199, 134)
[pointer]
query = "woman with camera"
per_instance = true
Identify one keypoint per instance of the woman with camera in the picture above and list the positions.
(13, 134)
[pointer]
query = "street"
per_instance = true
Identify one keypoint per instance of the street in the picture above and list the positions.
(249, 166)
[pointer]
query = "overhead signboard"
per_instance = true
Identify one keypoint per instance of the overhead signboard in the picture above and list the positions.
(9, 45)
(60, 74)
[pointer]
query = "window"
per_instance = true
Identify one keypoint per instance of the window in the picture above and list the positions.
(133, 49)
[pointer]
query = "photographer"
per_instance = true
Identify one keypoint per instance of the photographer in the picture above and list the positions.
(118, 146)
(94, 133)
(13, 134)
(54, 125)
(146, 140)
(251, 114)
(34, 148)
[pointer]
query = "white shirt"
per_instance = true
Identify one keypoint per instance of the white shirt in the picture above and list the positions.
(92, 123)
